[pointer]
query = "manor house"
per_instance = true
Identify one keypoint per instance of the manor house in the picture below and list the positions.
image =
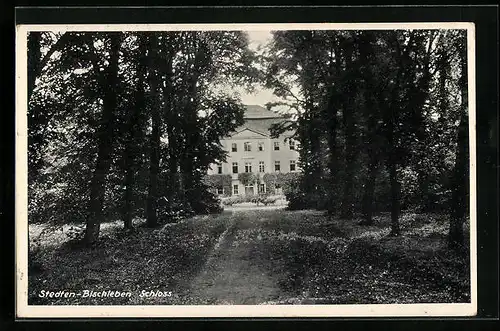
(252, 150)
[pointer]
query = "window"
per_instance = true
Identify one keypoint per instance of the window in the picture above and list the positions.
(248, 166)
(262, 188)
(247, 147)
(276, 146)
(249, 190)
(277, 166)
(235, 167)
(219, 168)
(292, 165)
(292, 144)
(261, 166)
(220, 190)
(235, 189)
(260, 146)
(277, 187)
(234, 147)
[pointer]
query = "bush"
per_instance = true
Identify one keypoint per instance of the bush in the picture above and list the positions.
(299, 199)
(264, 199)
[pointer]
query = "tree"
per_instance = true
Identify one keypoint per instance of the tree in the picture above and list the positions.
(458, 203)
(388, 86)
(156, 124)
(108, 79)
(134, 131)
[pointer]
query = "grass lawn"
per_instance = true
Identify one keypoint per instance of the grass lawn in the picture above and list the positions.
(255, 257)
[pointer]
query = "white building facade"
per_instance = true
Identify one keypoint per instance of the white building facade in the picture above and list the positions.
(252, 150)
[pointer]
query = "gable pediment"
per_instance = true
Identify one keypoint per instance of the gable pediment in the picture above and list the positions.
(247, 133)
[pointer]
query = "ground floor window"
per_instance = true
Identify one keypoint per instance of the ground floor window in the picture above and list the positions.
(235, 189)
(277, 188)
(220, 190)
(262, 188)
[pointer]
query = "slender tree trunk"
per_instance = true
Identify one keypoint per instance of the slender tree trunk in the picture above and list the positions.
(331, 120)
(423, 189)
(347, 207)
(154, 158)
(188, 159)
(458, 203)
(392, 168)
(134, 128)
(369, 189)
(395, 197)
(105, 142)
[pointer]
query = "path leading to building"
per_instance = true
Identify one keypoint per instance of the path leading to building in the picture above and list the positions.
(231, 275)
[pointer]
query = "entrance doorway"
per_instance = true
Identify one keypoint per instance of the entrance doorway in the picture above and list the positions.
(249, 190)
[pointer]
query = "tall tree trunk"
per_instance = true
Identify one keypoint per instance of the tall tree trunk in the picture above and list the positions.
(393, 176)
(331, 120)
(188, 159)
(154, 159)
(371, 113)
(316, 169)
(458, 203)
(170, 115)
(191, 129)
(34, 59)
(134, 128)
(105, 143)
(309, 131)
(347, 207)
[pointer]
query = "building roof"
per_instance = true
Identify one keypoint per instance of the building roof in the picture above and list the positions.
(259, 119)
(259, 112)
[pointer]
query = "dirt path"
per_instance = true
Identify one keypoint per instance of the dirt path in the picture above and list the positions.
(229, 277)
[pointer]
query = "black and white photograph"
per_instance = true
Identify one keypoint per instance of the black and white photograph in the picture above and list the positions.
(246, 170)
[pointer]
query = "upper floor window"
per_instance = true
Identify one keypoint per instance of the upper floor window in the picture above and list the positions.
(292, 165)
(261, 166)
(277, 166)
(234, 147)
(260, 146)
(247, 147)
(235, 167)
(248, 166)
(219, 168)
(276, 146)
(291, 142)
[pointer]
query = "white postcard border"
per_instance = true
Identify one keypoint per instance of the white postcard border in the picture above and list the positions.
(23, 310)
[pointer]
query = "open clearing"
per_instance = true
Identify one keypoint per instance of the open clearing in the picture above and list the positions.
(268, 256)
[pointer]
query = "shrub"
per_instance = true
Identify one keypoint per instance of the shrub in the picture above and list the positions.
(298, 198)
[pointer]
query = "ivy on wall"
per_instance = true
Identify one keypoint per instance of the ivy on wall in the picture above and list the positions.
(282, 179)
(247, 178)
(218, 180)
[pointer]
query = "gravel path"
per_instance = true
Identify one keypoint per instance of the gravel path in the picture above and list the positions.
(230, 277)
